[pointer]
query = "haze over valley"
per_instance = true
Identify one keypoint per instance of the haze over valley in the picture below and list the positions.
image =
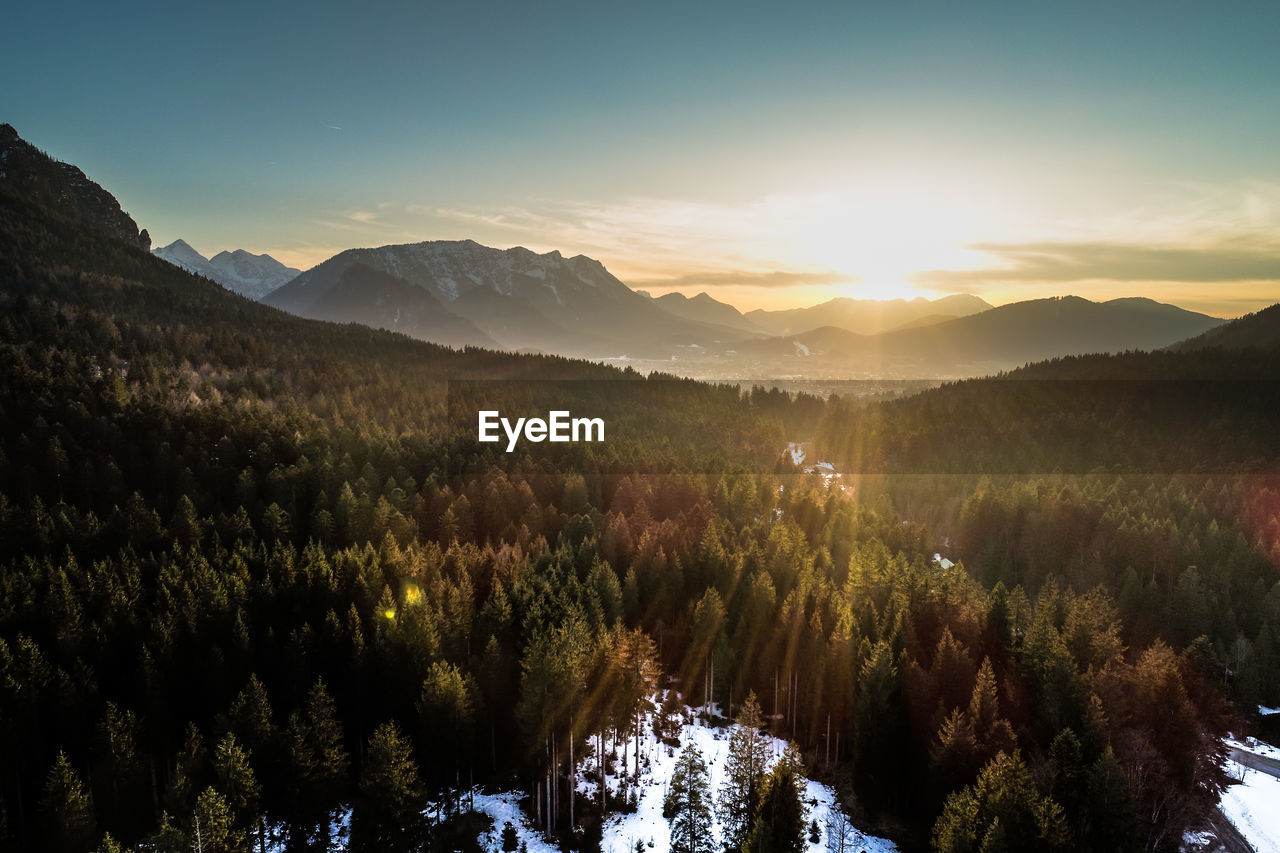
(460, 293)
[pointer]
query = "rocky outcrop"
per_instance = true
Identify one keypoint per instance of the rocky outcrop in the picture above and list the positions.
(29, 172)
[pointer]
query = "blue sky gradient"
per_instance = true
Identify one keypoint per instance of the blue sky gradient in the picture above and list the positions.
(592, 127)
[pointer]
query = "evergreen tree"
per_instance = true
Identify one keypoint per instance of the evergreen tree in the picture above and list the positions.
(446, 705)
(688, 804)
(388, 813)
(67, 814)
(510, 840)
(236, 781)
(167, 838)
(319, 766)
(1110, 825)
(213, 826)
(778, 825)
(745, 767)
(670, 717)
(190, 773)
(1001, 811)
(109, 845)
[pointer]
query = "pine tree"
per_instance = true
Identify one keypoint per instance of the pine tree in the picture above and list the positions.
(670, 718)
(190, 773)
(510, 840)
(236, 781)
(638, 669)
(1001, 811)
(446, 705)
(167, 838)
(109, 845)
(388, 813)
(213, 825)
(67, 812)
(250, 718)
(688, 804)
(745, 766)
(319, 763)
(778, 825)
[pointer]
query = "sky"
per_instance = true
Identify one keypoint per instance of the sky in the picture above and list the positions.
(770, 155)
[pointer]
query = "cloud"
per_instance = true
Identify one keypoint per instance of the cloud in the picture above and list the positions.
(1237, 259)
(774, 278)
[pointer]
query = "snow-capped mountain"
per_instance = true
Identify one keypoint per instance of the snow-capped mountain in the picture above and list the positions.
(253, 275)
(248, 274)
(180, 254)
(521, 299)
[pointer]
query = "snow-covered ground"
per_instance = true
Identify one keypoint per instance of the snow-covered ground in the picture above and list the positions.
(1255, 746)
(505, 808)
(1253, 806)
(646, 824)
(797, 452)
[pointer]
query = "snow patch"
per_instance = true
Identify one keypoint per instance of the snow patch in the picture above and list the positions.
(1251, 806)
(797, 452)
(504, 808)
(657, 765)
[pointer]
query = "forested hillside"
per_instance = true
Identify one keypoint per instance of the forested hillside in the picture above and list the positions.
(249, 576)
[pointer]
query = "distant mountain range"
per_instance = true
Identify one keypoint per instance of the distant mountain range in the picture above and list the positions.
(245, 273)
(998, 339)
(516, 297)
(703, 308)
(461, 293)
(866, 316)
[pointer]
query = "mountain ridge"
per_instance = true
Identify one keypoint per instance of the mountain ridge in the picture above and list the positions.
(864, 316)
(61, 186)
(519, 298)
(1260, 329)
(239, 270)
(1002, 338)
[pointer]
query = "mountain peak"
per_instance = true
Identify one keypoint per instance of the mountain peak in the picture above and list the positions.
(180, 245)
(239, 270)
(37, 177)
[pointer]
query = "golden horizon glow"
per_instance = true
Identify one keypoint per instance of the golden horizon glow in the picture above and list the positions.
(891, 235)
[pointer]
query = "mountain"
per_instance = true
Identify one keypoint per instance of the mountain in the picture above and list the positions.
(1260, 330)
(999, 339)
(865, 316)
(62, 187)
(703, 308)
(382, 301)
(521, 299)
(180, 254)
(250, 275)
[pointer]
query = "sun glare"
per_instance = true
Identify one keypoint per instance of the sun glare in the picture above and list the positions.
(881, 236)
